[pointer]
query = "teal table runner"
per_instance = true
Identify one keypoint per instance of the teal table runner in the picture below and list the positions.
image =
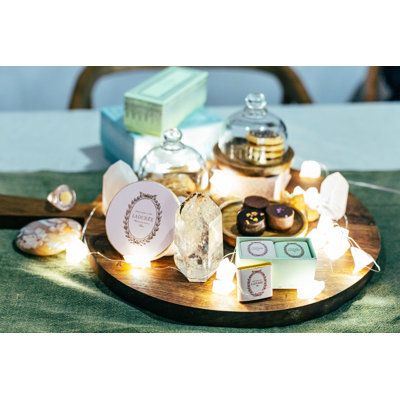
(47, 295)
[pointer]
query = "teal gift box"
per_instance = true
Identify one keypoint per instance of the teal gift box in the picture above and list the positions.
(293, 249)
(200, 130)
(164, 100)
(293, 260)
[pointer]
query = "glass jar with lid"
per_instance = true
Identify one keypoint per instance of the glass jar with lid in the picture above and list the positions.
(177, 166)
(254, 138)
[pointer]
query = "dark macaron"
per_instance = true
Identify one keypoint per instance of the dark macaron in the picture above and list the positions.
(251, 222)
(256, 202)
(280, 217)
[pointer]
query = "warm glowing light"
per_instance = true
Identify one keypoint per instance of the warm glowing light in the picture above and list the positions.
(310, 290)
(298, 190)
(226, 270)
(137, 273)
(222, 287)
(310, 169)
(361, 259)
(76, 251)
(334, 240)
(325, 225)
(311, 196)
(317, 238)
(222, 181)
(337, 243)
(323, 232)
(137, 261)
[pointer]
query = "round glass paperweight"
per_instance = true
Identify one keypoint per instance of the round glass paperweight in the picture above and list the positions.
(175, 165)
(254, 136)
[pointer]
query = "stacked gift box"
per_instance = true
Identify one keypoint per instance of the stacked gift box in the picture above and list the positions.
(175, 97)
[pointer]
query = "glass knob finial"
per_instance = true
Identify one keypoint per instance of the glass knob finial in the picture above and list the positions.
(172, 136)
(256, 101)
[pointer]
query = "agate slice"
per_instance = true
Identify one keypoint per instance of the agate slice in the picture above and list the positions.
(47, 237)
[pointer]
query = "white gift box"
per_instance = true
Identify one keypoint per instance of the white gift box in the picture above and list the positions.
(254, 282)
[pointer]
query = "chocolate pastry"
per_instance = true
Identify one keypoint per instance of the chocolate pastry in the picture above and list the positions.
(256, 202)
(251, 222)
(280, 217)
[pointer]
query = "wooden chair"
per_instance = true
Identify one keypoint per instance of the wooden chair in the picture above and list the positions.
(381, 83)
(368, 90)
(293, 88)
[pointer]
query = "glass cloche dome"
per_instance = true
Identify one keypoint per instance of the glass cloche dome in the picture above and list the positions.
(175, 165)
(254, 136)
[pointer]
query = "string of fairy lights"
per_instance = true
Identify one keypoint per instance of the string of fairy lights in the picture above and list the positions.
(329, 238)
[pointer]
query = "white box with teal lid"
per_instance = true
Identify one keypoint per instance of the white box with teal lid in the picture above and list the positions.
(293, 260)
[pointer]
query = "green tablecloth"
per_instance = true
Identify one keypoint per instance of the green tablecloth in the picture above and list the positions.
(47, 295)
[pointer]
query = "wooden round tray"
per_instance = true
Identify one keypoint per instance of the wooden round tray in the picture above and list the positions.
(166, 292)
(231, 208)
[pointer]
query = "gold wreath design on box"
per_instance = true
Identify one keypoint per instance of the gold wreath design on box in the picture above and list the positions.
(156, 227)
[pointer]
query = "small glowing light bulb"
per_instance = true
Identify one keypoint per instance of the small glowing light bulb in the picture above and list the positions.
(222, 181)
(310, 169)
(298, 190)
(137, 273)
(76, 251)
(317, 238)
(310, 290)
(325, 225)
(312, 198)
(137, 261)
(337, 243)
(222, 287)
(65, 197)
(226, 270)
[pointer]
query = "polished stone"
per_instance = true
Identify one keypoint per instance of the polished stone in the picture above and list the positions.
(47, 237)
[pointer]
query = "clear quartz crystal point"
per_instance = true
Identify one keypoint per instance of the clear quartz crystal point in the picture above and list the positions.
(334, 192)
(117, 176)
(62, 197)
(198, 237)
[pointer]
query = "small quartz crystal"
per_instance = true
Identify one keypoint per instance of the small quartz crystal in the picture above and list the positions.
(198, 237)
(117, 176)
(334, 193)
(62, 197)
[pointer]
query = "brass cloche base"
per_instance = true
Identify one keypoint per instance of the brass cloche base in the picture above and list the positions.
(253, 170)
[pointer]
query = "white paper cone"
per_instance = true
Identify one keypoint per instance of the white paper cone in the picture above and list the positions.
(361, 259)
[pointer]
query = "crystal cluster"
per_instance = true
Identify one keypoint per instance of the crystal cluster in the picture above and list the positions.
(198, 237)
